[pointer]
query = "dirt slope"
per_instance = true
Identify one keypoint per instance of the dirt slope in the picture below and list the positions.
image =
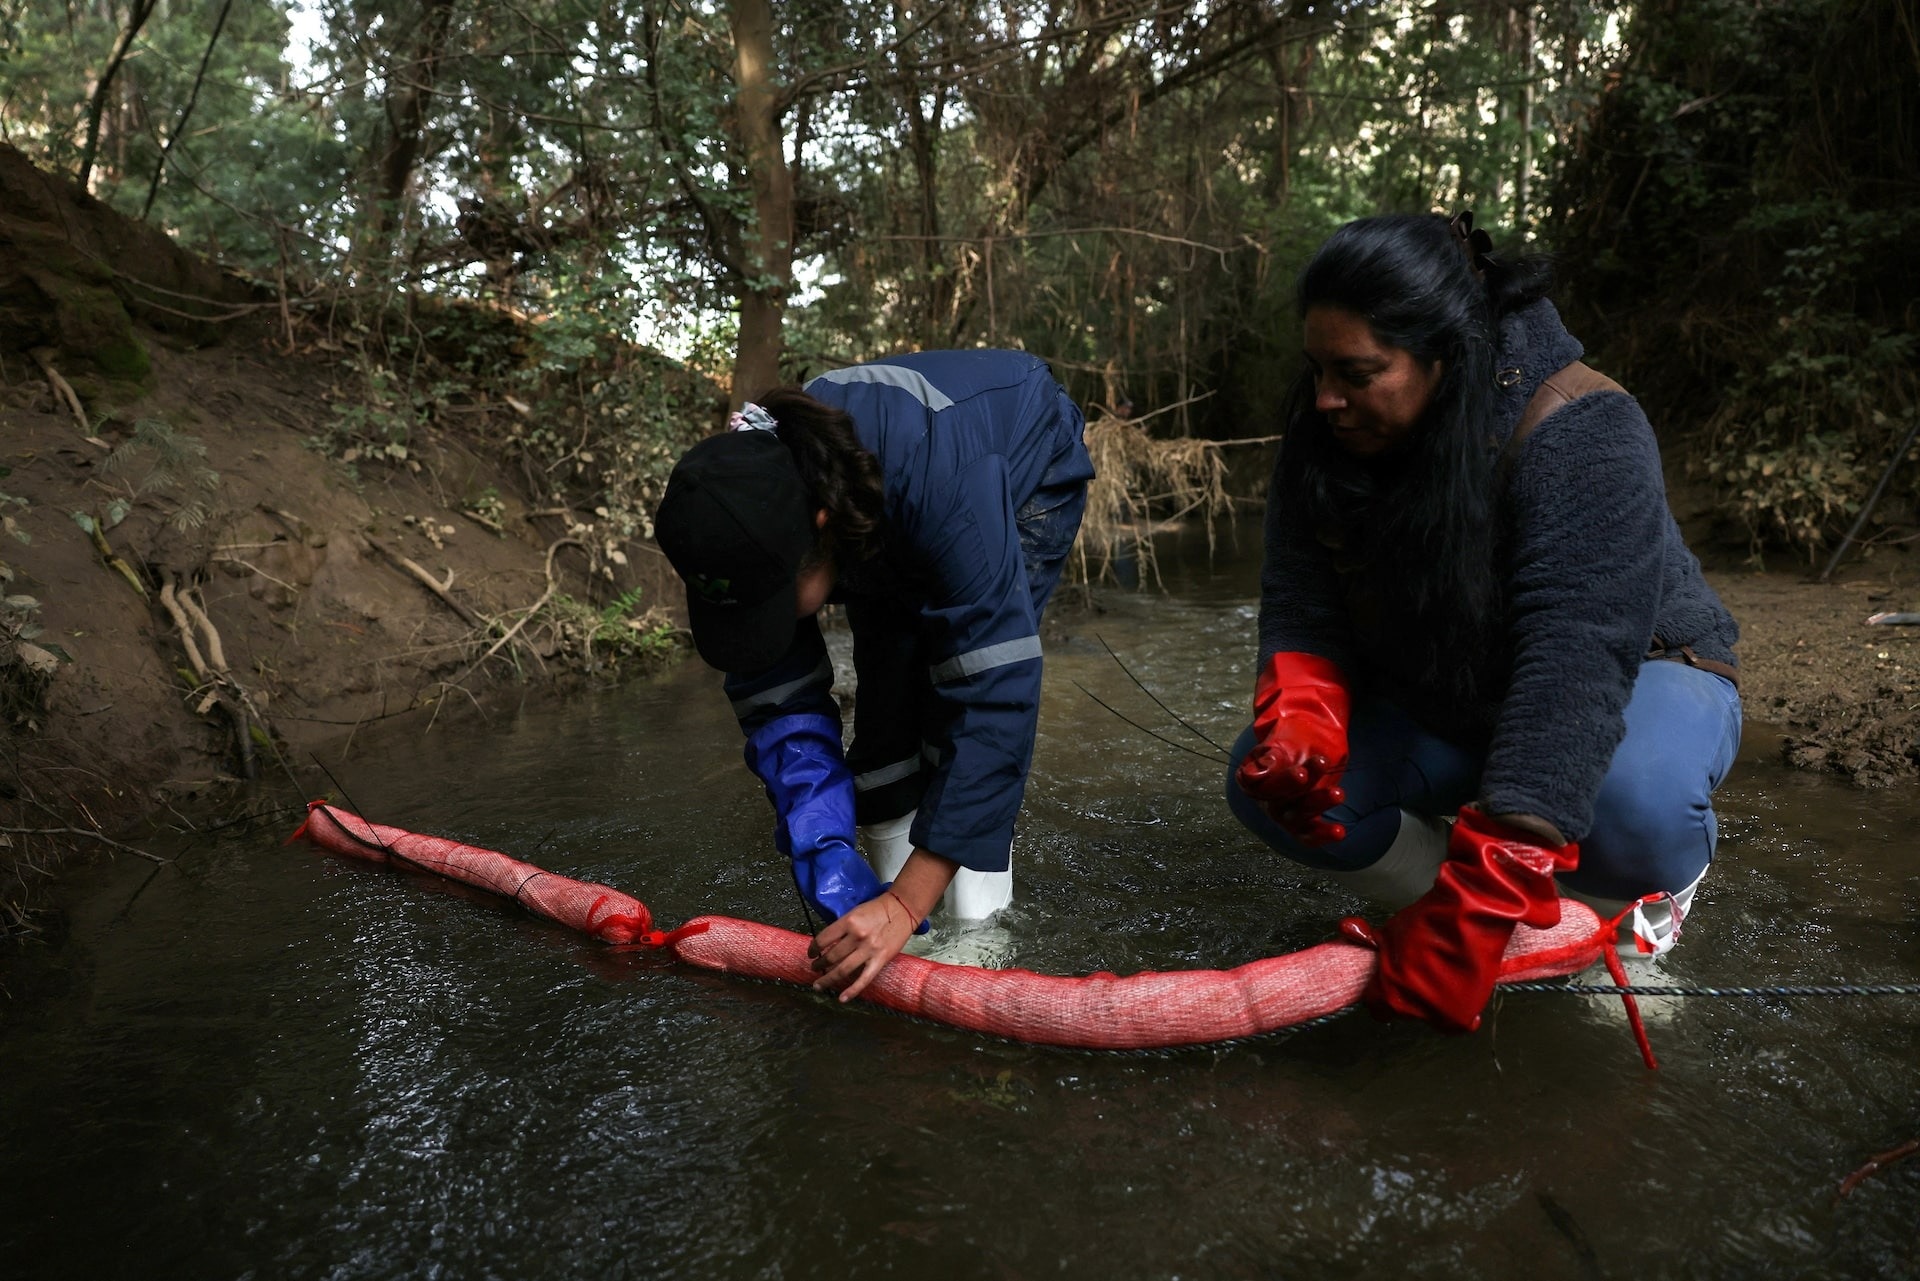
(144, 393)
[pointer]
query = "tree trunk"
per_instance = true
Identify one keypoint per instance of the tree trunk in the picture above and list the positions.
(396, 149)
(768, 245)
(1523, 179)
(136, 19)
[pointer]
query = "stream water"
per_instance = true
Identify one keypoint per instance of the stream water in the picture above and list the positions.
(261, 1061)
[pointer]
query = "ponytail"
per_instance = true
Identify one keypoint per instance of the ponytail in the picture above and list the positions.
(838, 471)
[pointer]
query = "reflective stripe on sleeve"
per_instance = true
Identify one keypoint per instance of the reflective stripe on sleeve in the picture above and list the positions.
(748, 703)
(975, 661)
(908, 380)
(886, 774)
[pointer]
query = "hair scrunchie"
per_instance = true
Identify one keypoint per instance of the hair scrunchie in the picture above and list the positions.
(1476, 245)
(751, 417)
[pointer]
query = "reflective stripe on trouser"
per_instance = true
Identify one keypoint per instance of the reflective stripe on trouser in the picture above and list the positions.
(1653, 826)
(973, 896)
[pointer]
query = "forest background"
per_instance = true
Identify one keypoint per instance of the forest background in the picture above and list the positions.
(571, 231)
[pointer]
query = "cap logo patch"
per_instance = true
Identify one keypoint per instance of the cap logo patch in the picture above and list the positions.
(712, 590)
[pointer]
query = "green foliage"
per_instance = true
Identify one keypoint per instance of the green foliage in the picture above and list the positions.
(606, 418)
(612, 636)
(1795, 493)
(377, 410)
(1744, 243)
(172, 464)
(1134, 202)
(596, 418)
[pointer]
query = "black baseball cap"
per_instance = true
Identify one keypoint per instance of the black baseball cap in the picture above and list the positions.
(736, 521)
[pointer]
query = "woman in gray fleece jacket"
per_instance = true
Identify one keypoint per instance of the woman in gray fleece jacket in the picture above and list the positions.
(1472, 588)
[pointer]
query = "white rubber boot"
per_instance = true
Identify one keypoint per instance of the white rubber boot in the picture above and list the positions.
(973, 896)
(1657, 923)
(1407, 869)
(887, 845)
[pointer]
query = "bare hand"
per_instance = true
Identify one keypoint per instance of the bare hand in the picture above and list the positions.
(850, 953)
(855, 948)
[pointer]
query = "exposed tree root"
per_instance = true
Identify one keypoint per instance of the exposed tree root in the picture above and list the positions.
(62, 389)
(217, 684)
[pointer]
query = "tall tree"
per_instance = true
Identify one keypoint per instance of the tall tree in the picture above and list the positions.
(766, 244)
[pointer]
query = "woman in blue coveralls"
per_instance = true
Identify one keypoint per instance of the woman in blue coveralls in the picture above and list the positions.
(935, 496)
(1470, 576)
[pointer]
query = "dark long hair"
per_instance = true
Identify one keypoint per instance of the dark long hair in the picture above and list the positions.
(840, 473)
(1421, 520)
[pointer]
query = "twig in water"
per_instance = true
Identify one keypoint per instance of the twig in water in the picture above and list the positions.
(1876, 1163)
(1156, 698)
(1194, 751)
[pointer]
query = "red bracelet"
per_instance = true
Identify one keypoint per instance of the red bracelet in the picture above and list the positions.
(912, 923)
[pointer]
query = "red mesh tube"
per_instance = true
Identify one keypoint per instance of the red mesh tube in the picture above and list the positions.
(1094, 1011)
(600, 910)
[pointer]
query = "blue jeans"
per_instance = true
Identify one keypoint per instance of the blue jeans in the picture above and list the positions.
(1653, 824)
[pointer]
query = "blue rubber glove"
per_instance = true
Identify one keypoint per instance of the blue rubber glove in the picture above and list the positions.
(798, 758)
(834, 879)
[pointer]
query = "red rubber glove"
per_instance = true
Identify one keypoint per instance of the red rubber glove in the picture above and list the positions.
(1440, 955)
(1300, 713)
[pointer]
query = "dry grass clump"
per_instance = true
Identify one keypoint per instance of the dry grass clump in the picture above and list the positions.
(1142, 485)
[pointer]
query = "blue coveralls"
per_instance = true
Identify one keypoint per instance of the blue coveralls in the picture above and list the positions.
(985, 475)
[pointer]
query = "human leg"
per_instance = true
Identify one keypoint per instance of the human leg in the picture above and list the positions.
(1399, 782)
(1653, 826)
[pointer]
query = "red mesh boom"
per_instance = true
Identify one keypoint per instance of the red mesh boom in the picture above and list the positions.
(1094, 1011)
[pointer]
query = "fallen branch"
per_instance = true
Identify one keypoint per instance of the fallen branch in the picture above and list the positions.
(532, 609)
(253, 568)
(483, 522)
(426, 580)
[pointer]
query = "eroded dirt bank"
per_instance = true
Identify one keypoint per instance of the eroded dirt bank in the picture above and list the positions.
(316, 597)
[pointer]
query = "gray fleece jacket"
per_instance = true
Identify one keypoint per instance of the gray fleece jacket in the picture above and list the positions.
(1593, 566)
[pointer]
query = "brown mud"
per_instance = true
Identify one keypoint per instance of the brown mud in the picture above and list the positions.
(320, 598)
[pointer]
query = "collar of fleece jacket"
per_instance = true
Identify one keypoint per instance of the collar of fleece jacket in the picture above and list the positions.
(1533, 341)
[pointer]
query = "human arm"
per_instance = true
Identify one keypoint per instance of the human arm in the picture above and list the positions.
(1439, 956)
(1590, 533)
(792, 728)
(980, 639)
(1302, 697)
(852, 951)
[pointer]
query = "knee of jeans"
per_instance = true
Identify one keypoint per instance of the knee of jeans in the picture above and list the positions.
(1647, 843)
(1365, 842)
